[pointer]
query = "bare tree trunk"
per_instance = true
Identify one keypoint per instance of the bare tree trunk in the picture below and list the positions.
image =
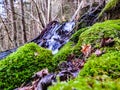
(6, 6)
(14, 23)
(38, 13)
(23, 22)
(76, 12)
(48, 12)
(6, 29)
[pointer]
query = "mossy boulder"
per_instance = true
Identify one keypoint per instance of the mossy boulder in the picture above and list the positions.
(99, 73)
(90, 35)
(88, 83)
(93, 35)
(108, 64)
(19, 67)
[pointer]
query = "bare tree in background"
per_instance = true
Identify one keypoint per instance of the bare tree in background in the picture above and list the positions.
(25, 19)
(23, 22)
(14, 23)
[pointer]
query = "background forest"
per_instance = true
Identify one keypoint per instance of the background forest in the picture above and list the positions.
(23, 20)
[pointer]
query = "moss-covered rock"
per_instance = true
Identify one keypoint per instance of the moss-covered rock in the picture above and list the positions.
(18, 67)
(92, 75)
(92, 36)
(107, 64)
(88, 83)
(98, 31)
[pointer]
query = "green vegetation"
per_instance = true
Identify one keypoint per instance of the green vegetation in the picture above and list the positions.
(75, 36)
(111, 4)
(107, 64)
(99, 73)
(19, 67)
(63, 53)
(88, 83)
(98, 31)
(69, 48)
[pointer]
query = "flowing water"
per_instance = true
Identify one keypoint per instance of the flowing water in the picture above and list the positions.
(53, 37)
(57, 35)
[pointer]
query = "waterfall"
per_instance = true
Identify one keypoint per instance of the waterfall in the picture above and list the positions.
(55, 35)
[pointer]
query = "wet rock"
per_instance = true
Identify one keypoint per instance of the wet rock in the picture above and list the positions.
(6, 53)
(46, 81)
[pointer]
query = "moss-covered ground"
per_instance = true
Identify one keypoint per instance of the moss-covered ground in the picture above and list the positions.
(99, 72)
(19, 67)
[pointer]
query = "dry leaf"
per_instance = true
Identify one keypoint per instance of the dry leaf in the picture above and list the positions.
(86, 50)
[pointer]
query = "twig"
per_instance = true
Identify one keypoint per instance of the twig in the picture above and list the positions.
(76, 12)
(6, 30)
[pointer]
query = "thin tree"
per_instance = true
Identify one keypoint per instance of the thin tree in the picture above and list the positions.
(13, 22)
(23, 22)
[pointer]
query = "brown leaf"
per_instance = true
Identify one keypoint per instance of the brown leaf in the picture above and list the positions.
(86, 50)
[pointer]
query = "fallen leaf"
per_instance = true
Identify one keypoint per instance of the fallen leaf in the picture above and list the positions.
(86, 50)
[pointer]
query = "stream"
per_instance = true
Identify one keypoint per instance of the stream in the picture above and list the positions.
(53, 37)
(56, 34)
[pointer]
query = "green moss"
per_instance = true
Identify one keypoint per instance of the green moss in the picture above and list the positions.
(63, 53)
(98, 31)
(91, 77)
(108, 64)
(88, 83)
(92, 36)
(18, 67)
(75, 36)
(100, 65)
(111, 4)
(99, 73)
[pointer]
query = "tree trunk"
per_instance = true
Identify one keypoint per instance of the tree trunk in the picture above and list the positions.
(48, 12)
(13, 22)
(23, 22)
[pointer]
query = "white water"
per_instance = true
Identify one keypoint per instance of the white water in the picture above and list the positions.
(59, 36)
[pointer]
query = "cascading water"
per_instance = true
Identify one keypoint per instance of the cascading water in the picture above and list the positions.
(57, 35)
(53, 37)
